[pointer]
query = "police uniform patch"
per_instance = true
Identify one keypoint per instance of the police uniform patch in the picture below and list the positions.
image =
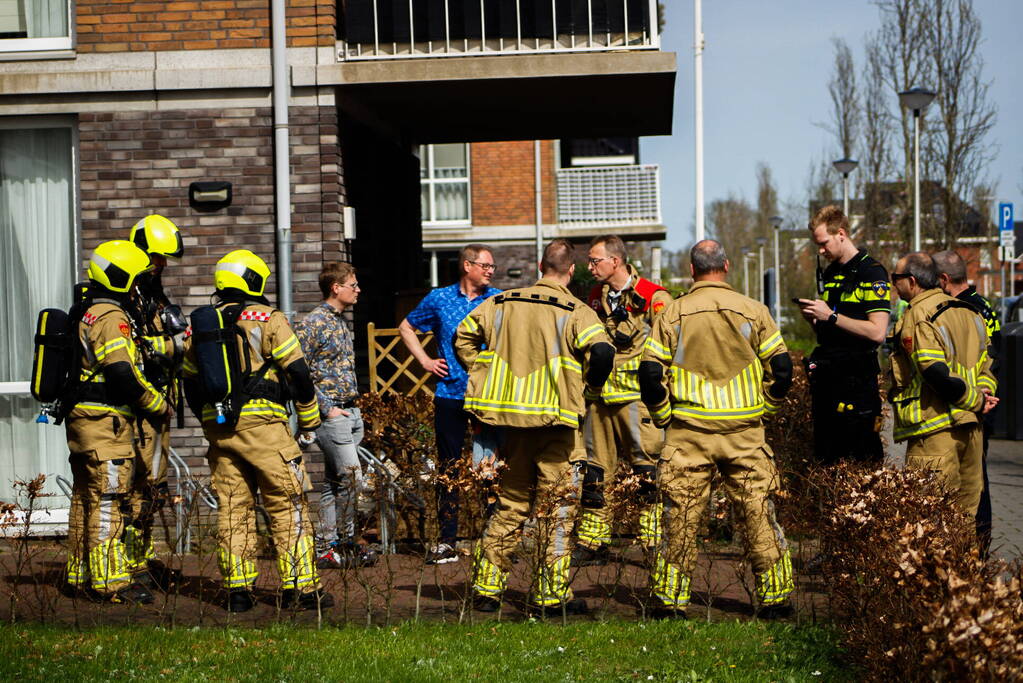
(880, 288)
(125, 330)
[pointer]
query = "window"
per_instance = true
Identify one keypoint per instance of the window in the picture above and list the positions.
(444, 184)
(38, 263)
(35, 25)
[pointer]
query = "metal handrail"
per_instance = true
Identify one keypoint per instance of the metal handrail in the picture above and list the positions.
(64, 485)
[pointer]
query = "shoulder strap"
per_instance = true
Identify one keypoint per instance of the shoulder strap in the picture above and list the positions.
(535, 298)
(948, 305)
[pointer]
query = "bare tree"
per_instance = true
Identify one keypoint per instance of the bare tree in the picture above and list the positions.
(964, 114)
(732, 222)
(875, 145)
(767, 200)
(846, 111)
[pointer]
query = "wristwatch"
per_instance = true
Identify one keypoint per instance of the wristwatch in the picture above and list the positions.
(833, 318)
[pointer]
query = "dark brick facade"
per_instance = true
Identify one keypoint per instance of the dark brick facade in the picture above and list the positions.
(126, 26)
(136, 163)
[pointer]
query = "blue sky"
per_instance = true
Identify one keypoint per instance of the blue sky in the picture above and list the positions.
(765, 71)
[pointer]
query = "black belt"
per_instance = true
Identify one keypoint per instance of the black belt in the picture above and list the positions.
(345, 405)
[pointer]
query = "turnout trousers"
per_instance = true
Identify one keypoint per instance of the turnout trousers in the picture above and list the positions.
(263, 458)
(957, 455)
(749, 476)
(148, 493)
(540, 478)
(613, 433)
(102, 463)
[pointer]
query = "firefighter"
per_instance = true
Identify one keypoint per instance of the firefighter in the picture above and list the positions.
(952, 280)
(110, 394)
(713, 366)
(525, 350)
(162, 325)
(941, 380)
(618, 426)
(850, 321)
(255, 451)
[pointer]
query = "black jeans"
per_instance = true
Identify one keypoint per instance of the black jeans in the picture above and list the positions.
(450, 423)
(846, 403)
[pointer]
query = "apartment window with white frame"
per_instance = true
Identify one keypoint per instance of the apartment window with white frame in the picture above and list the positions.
(38, 267)
(444, 184)
(35, 25)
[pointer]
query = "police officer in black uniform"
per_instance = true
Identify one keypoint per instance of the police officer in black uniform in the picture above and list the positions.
(952, 279)
(851, 321)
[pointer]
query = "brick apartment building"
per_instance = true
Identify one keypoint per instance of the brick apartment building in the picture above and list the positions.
(486, 192)
(109, 110)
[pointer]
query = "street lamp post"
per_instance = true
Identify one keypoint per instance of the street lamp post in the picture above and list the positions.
(745, 270)
(845, 167)
(761, 241)
(776, 222)
(916, 99)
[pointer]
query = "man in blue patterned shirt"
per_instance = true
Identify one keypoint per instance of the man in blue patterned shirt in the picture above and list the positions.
(440, 312)
(330, 353)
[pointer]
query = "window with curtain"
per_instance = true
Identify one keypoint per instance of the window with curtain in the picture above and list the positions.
(37, 270)
(35, 25)
(444, 183)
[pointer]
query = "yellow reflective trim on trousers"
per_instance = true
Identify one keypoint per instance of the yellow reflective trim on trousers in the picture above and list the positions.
(769, 345)
(488, 579)
(76, 571)
(650, 525)
(297, 569)
(586, 335)
(108, 348)
(552, 583)
(592, 531)
(284, 349)
(657, 349)
(671, 586)
(137, 550)
(107, 565)
(237, 571)
(776, 584)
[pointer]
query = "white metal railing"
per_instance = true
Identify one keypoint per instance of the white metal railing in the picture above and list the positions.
(406, 29)
(609, 195)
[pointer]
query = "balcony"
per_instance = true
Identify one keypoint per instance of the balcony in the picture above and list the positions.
(408, 29)
(610, 197)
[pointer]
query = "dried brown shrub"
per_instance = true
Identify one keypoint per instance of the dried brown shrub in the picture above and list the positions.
(907, 582)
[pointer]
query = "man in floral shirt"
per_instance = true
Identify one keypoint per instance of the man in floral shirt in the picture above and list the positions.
(330, 353)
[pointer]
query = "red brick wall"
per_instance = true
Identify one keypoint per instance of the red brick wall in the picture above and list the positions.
(135, 163)
(128, 26)
(503, 176)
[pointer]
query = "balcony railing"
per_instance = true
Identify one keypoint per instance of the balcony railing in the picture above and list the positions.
(404, 29)
(599, 196)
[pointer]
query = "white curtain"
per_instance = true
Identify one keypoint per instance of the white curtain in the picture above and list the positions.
(46, 18)
(37, 270)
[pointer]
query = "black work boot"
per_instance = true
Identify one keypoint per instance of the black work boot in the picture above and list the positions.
(572, 607)
(584, 556)
(782, 610)
(133, 594)
(240, 600)
(485, 603)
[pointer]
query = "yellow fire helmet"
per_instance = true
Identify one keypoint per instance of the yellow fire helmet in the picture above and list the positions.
(116, 264)
(158, 235)
(241, 269)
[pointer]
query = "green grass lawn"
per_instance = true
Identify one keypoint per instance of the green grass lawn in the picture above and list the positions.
(678, 651)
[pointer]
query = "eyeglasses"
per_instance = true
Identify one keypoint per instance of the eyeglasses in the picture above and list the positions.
(352, 285)
(900, 276)
(596, 261)
(485, 267)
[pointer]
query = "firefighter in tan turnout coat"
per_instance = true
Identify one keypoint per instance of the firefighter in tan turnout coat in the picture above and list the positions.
(618, 426)
(941, 380)
(529, 352)
(713, 366)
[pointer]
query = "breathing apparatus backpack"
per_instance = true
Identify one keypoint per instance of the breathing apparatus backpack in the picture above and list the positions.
(57, 356)
(226, 380)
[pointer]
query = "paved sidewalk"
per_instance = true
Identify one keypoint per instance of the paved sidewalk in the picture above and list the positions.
(1005, 474)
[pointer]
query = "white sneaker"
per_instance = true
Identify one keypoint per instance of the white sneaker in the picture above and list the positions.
(442, 553)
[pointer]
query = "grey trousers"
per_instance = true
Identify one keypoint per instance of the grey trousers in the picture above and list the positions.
(339, 439)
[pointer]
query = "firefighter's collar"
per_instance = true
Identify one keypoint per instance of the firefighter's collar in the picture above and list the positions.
(924, 295)
(709, 283)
